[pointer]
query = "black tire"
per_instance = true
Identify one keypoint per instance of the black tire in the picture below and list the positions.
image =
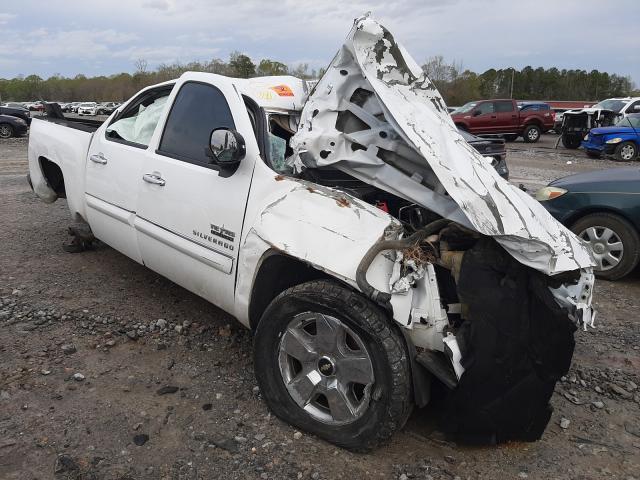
(593, 154)
(571, 141)
(531, 133)
(626, 152)
(626, 234)
(6, 130)
(389, 398)
(510, 138)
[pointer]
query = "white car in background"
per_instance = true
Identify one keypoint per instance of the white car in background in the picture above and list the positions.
(88, 108)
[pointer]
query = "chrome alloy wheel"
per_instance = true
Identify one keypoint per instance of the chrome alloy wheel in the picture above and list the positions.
(533, 134)
(5, 131)
(326, 368)
(606, 246)
(627, 152)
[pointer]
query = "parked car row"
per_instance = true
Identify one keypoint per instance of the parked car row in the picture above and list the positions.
(89, 108)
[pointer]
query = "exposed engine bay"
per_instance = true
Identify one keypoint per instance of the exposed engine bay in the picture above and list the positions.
(488, 287)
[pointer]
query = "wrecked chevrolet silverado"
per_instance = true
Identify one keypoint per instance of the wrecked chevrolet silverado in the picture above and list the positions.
(371, 249)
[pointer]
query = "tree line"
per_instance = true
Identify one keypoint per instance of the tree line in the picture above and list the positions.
(456, 84)
(459, 86)
(121, 86)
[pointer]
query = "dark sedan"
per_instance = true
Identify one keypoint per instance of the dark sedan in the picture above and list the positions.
(12, 126)
(493, 149)
(602, 208)
(16, 111)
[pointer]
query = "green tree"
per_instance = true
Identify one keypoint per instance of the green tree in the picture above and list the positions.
(268, 67)
(241, 66)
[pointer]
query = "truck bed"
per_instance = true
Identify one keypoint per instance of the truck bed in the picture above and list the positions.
(53, 113)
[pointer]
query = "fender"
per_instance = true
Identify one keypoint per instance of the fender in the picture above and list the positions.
(322, 227)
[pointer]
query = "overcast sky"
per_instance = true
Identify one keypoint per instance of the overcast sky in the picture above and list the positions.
(104, 37)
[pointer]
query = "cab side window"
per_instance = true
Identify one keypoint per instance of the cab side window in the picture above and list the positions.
(486, 107)
(198, 109)
(502, 107)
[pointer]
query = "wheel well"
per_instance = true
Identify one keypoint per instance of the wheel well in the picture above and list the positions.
(588, 211)
(276, 274)
(54, 177)
(535, 122)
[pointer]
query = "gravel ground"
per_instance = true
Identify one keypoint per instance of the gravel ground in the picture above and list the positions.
(108, 371)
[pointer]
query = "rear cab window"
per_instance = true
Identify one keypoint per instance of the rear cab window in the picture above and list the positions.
(135, 125)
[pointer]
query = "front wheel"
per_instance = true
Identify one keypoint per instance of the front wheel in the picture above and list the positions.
(614, 242)
(531, 133)
(6, 130)
(329, 362)
(626, 152)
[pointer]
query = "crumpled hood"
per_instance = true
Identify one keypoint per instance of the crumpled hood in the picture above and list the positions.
(375, 115)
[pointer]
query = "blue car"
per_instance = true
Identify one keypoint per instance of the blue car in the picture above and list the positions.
(621, 140)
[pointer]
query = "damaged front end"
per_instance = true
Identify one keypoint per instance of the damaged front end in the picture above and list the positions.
(486, 285)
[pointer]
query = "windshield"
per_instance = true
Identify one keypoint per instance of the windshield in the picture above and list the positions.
(615, 105)
(467, 107)
(630, 121)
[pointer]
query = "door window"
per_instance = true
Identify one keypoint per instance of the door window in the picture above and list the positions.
(198, 109)
(634, 107)
(503, 107)
(486, 107)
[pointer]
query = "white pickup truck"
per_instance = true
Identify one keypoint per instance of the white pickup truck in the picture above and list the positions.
(368, 246)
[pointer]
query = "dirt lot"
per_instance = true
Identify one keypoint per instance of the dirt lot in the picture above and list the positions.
(90, 341)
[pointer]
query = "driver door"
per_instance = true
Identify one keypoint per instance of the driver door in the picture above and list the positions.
(190, 216)
(483, 118)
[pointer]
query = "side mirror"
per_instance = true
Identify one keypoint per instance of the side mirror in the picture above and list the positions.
(476, 113)
(226, 148)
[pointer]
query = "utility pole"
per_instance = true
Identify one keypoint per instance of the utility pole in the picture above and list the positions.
(513, 72)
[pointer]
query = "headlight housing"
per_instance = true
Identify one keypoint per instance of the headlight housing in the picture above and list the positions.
(614, 140)
(549, 193)
(586, 137)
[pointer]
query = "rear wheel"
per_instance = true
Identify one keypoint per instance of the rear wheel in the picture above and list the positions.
(532, 133)
(614, 242)
(571, 141)
(329, 362)
(6, 130)
(626, 152)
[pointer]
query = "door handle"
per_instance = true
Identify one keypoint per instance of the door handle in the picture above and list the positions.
(154, 178)
(98, 158)
(494, 116)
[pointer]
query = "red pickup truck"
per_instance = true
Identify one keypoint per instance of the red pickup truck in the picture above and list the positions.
(505, 117)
